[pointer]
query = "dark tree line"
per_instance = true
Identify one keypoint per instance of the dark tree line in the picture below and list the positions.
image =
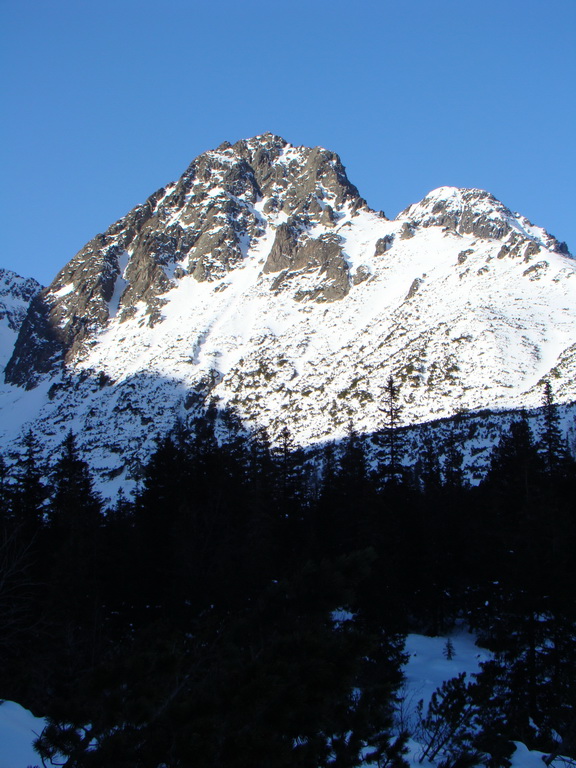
(197, 624)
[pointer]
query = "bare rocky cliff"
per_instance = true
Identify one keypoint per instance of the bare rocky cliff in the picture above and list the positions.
(203, 226)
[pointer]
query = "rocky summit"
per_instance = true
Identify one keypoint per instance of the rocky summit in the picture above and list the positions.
(262, 284)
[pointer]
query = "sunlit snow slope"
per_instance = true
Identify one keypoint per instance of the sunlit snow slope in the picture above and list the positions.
(263, 283)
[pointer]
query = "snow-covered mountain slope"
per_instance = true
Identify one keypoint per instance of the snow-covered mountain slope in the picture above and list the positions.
(15, 295)
(262, 282)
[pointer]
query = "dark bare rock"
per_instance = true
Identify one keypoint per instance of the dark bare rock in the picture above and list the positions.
(361, 275)
(322, 255)
(407, 231)
(383, 244)
(15, 295)
(414, 288)
(283, 252)
(38, 347)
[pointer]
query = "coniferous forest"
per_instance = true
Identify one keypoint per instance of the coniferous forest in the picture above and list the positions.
(248, 606)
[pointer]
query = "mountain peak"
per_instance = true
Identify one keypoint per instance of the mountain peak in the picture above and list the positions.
(265, 140)
(260, 283)
(476, 212)
(203, 225)
(290, 176)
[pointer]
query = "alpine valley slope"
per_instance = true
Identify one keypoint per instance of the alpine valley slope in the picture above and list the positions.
(263, 283)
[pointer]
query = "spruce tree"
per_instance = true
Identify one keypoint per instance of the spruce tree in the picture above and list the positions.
(164, 490)
(75, 507)
(263, 523)
(552, 444)
(453, 461)
(341, 506)
(4, 493)
(429, 475)
(30, 491)
(74, 520)
(391, 410)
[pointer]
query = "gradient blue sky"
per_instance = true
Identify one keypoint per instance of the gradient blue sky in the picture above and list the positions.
(104, 102)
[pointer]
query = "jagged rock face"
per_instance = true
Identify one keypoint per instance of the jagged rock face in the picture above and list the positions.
(201, 226)
(261, 283)
(475, 212)
(61, 316)
(15, 295)
(292, 256)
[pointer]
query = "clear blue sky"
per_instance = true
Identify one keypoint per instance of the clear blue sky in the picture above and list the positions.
(103, 102)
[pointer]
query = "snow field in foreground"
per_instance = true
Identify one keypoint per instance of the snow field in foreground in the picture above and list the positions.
(425, 671)
(427, 668)
(18, 729)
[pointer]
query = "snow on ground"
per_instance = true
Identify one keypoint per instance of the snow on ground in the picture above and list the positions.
(425, 671)
(525, 758)
(427, 667)
(18, 729)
